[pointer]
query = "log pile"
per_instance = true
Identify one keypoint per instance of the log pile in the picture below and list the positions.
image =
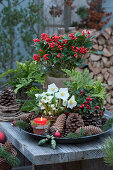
(101, 65)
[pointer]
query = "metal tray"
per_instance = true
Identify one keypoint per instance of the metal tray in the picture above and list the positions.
(70, 140)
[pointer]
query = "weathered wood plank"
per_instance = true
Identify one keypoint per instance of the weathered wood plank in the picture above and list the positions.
(95, 164)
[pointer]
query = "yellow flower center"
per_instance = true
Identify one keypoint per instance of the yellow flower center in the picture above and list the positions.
(47, 98)
(63, 94)
(52, 89)
(71, 101)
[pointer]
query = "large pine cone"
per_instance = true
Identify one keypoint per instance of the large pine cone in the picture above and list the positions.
(89, 129)
(59, 124)
(7, 97)
(73, 122)
(92, 119)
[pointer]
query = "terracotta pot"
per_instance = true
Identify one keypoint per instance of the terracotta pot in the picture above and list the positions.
(38, 130)
(59, 82)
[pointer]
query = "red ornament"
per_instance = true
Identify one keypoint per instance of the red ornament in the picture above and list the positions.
(2, 137)
(57, 134)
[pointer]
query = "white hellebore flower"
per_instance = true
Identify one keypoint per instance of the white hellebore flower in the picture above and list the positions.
(47, 99)
(62, 94)
(71, 102)
(44, 94)
(52, 88)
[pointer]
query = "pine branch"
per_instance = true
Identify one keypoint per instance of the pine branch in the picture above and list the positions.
(75, 136)
(108, 124)
(21, 124)
(8, 157)
(107, 148)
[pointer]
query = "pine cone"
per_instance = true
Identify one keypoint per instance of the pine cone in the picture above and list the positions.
(8, 146)
(7, 97)
(89, 129)
(92, 119)
(73, 122)
(28, 117)
(59, 124)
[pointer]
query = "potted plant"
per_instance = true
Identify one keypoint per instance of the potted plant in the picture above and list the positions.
(25, 76)
(62, 52)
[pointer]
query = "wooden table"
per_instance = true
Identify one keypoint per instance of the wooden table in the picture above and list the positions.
(84, 156)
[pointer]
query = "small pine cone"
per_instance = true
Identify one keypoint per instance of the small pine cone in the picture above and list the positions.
(89, 129)
(59, 124)
(8, 146)
(28, 117)
(73, 122)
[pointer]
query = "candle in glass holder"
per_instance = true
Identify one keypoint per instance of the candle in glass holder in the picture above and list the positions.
(41, 121)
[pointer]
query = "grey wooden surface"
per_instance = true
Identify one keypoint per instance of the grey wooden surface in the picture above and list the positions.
(45, 155)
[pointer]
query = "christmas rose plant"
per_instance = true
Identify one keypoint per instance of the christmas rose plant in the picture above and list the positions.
(54, 101)
(63, 51)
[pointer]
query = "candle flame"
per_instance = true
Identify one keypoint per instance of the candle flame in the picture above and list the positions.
(41, 118)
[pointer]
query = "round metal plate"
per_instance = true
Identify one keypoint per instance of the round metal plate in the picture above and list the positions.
(70, 140)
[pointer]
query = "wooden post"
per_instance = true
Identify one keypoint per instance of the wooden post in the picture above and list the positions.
(67, 16)
(40, 28)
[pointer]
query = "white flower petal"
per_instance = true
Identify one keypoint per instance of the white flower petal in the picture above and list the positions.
(52, 88)
(72, 103)
(62, 95)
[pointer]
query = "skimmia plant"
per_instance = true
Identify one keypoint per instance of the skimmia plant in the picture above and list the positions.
(56, 51)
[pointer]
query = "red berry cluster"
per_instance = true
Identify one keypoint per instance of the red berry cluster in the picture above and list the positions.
(86, 104)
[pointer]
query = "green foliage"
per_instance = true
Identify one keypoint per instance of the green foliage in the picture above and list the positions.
(83, 81)
(80, 80)
(31, 105)
(25, 75)
(98, 90)
(75, 136)
(107, 148)
(82, 12)
(8, 157)
(107, 125)
(21, 124)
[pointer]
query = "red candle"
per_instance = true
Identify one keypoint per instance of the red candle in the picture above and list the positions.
(40, 121)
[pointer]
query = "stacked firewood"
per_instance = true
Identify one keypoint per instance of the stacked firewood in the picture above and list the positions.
(101, 65)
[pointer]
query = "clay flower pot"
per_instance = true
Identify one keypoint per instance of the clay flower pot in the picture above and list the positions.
(38, 130)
